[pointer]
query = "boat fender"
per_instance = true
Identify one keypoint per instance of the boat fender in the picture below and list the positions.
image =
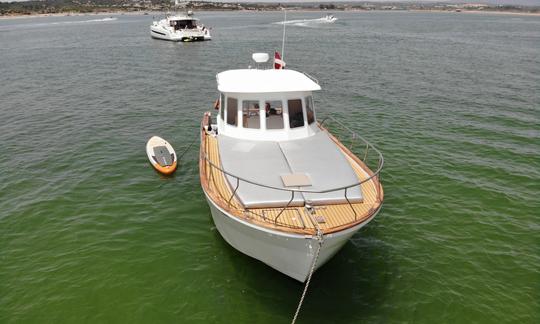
(209, 122)
(216, 104)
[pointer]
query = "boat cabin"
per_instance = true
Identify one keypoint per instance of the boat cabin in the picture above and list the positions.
(183, 22)
(265, 105)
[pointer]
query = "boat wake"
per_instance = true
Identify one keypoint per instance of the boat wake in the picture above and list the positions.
(81, 21)
(56, 23)
(306, 22)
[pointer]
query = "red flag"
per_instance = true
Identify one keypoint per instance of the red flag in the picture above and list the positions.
(278, 63)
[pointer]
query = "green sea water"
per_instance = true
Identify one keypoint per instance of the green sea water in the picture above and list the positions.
(90, 233)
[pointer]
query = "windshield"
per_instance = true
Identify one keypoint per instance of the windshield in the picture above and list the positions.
(184, 24)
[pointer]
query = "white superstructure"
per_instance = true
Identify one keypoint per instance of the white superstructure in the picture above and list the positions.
(271, 90)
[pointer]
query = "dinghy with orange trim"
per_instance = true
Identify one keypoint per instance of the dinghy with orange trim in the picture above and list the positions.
(161, 155)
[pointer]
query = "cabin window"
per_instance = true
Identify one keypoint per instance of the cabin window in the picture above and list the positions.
(183, 24)
(222, 107)
(232, 107)
(251, 114)
(309, 110)
(274, 114)
(296, 114)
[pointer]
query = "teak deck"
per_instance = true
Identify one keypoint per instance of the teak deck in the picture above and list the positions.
(330, 218)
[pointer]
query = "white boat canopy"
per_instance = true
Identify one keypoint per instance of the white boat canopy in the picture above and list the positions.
(264, 81)
(181, 17)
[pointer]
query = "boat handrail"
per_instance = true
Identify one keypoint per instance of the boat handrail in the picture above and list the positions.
(354, 136)
(311, 77)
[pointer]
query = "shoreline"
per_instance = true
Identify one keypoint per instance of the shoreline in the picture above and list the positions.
(480, 12)
(142, 13)
(74, 14)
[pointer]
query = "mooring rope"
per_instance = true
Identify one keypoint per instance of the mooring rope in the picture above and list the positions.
(320, 239)
(187, 149)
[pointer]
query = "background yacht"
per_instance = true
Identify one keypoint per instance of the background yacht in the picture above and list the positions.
(181, 28)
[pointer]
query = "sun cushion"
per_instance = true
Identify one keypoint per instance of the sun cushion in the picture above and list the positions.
(323, 162)
(266, 162)
(260, 162)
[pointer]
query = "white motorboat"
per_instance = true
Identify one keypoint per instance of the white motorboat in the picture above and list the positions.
(329, 19)
(180, 28)
(281, 187)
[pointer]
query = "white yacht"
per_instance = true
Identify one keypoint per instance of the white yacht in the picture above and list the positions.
(180, 28)
(281, 187)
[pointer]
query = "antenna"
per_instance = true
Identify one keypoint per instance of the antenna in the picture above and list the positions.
(283, 41)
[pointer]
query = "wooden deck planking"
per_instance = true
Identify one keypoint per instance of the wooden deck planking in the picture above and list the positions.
(220, 187)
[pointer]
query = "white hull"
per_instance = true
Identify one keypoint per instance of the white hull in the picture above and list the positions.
(291, 254)
(179, 29)
(178, 36)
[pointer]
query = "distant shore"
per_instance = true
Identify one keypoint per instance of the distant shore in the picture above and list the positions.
(482, 12)
(74, 14)
(135, 13)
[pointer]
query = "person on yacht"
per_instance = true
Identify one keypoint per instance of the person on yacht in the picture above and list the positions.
(269, 110)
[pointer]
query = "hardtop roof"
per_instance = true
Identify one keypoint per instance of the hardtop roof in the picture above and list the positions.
(264, 81)
(182, 17)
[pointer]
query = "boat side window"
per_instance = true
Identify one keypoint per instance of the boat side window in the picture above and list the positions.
(309, 110)
(296, 115)
(232, 107)
(222, 107)
(250, 114)
(183, 24)
(274, 114)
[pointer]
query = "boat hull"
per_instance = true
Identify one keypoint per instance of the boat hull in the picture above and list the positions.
(158, 32)
(291, 254)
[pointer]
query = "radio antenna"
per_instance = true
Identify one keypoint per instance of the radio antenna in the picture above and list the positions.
(283, 41)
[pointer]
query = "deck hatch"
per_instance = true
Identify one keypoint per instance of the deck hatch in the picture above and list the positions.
(296, 180)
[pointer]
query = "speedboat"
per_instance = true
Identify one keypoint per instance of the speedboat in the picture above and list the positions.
(282, 188)
(329, 19)
(180, 28)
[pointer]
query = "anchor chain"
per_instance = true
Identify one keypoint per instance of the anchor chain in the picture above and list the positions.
(320, 239)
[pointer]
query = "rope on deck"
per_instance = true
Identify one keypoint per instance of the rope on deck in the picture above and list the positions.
(320, 239)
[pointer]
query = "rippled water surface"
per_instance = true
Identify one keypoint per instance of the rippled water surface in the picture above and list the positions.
(90, 233)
